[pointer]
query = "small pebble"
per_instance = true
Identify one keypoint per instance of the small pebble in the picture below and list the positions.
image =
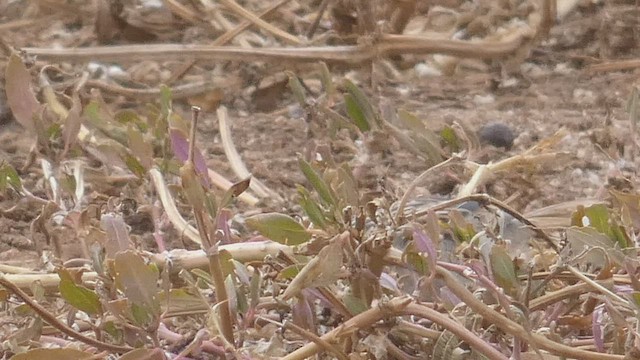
(498, 135)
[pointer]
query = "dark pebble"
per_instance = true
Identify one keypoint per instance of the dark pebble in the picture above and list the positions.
(498, 135)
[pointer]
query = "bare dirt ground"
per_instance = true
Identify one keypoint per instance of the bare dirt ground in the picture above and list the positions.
(552, 89)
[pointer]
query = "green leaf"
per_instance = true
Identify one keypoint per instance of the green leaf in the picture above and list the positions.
(279, 227)
(297, 89)
(226, 262)
(9, 176)
(598, 215)
(78, 296)
(327, 81)
(354, 304)
(134, 166)
(139, 282)
(142, 315)
(356, 114)
(139, 147)
(503, 269)
(317, 182)
(417, 262)
(362, 105)
(313, 210)
(165, 100)
(182, 301)
(620, 236)
(289, 272)
(450, 138)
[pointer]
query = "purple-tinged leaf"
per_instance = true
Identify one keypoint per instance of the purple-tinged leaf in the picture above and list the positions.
(241, 272)
(20, 96)
(449, 298)
(619, 320)
(478, 267)
(139, 283)
(597, 327)
(425, 244)
(232, 295)
(222, 220)
(140, 147)
(388, 282)
(180, 146)
(315, 294)
(622, 289)
(303, 314)
(117, 234)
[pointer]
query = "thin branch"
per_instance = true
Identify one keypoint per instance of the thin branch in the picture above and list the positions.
(53, 321)
(389, 45)
(326, 346)
(356, 323)
(235, 160)
(232, 5)
(516, 329)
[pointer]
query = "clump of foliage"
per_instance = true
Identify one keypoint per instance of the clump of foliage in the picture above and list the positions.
(354, 275)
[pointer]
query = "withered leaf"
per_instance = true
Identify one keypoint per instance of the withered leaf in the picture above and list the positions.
(20, 97)
(322, 270)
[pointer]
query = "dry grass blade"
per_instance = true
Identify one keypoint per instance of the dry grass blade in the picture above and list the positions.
(170, 207)
(229, 35)
(236, 161)
(389, 45)
(235, 7)
(183, 12)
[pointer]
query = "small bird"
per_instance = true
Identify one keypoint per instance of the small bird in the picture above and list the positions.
(497, 134)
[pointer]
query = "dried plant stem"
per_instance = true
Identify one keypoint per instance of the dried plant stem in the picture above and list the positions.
(192, 188)
(181, 259)
(232, 5)
(229, 35)
(224, 184)
(356, 323)
(618, 65)
(389, 45)
(486, 199)
(326, 346)
(548, 299)
(316, 20)
(177, 92)
(515, 329)
(172, 211)
(594, 285)
(53, 321)
(170, 207)
(417, 181)
(235, 160)
(456, 328)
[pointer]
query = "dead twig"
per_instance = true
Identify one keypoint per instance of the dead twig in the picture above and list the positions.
(388, 45)
(516, 329)
(239, 10)
(326, 346)
(235, 160)
(53, 321)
